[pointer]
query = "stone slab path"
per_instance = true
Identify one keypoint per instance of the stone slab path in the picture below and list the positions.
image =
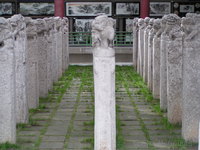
(65, 119)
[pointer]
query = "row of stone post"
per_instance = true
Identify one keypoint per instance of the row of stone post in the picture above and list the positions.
(33, 55)
(166, 53)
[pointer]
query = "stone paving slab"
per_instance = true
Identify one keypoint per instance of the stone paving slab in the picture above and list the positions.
(69, 124)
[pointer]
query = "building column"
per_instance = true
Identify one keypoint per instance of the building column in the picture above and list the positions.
(59, 8)
(144, 8)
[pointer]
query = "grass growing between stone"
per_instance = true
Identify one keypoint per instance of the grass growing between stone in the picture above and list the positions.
(127, 81)
(8, 146)
(54, 97)
(131, 78)
(119, 137)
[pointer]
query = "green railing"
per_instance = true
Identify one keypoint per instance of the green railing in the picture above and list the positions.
(84, 39)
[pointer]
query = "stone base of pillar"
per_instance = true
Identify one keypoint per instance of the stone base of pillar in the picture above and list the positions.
(104, 83)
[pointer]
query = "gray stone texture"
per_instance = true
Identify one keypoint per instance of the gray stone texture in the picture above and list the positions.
(59, 46)
(146, 35)
(135, 42)
(32, 79)
(7, 83)
(156, 59)
(150, 52)
(174, 69)
(191, 74)
(18, 27)
(55, 52)
(163, 66)
(65, 35)
(50, 28)
(104, 83)
(142, 26)
(42, 56)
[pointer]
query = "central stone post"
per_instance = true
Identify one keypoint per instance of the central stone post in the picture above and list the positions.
(104, 83)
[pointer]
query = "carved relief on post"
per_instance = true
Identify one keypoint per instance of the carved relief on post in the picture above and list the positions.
(104, 78)
(163, 63)
(141, 27)
(149, 53)
(191, 73)
(135, 42)
(174, 68)
(156, 58)
(103, 31)
(19, 28)
(7, 83)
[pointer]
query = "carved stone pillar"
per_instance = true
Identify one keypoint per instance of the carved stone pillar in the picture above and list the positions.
(65, 34)
(163, 66)
(142, 26)
(156, 59)
(104, 83)
(146, 34)
(42, 56)
(7, 84)
(191, 74)
(55, 53)
(19, 28)
(135, 42)
(150, 55)
(59, 45)
(174, 69)
(50, 28)
(32, 78)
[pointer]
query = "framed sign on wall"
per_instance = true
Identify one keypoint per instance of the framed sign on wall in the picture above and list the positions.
(127, 8)
(6, 8)
(160, 8)
(88, 8)
(36, 8)
(186, 8)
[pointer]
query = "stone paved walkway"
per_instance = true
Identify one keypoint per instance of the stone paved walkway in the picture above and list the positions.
(65, 119)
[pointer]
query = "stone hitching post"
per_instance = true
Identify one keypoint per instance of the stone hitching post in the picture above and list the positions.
(19, 27)
(135, 42)
(32, 79)
(156, 58)
(191, 80)
(163, 65)
(174, 69)
(7, 83)
(104, 83)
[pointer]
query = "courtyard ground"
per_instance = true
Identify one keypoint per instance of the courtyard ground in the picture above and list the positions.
(64, 120)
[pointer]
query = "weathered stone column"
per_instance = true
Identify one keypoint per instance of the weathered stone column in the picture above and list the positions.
(55, 52)
(59, 45)
(104, 83)
(191, 80)
(50, 28)
(32, 79)
(150, 52)
(19, 28)
(163, 66)
(174, 69)
(142, 26)
(65, 34)
(145, 40)
(156, 58)
(135, 42)
(42, 56)
(7, 83)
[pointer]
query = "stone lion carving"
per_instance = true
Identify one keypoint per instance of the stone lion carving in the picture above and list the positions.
(173, 26)
(102, 31)
(5, 31)
(190, 26)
